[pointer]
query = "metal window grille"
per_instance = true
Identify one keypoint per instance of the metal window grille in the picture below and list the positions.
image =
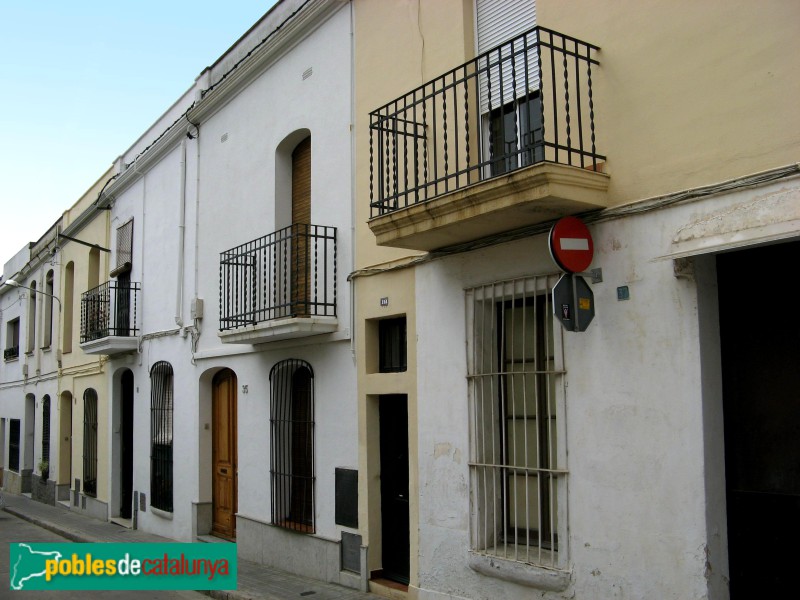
(292, 445)
(46, 430)
(161, 428)
(515, 373)
(125, 244)
(90, 442)
(392, 342)
(13, 445)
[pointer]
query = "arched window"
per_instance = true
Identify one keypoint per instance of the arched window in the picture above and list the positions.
(45, 462)
(161, 408)
(292, 452)
(90, 442)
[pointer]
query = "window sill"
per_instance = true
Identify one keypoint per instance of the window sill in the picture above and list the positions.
(161, 513)
(522, 573)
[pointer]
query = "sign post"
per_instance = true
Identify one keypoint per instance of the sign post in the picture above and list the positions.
(572, 249)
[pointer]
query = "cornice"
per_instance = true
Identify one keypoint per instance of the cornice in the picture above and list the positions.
(291, 33)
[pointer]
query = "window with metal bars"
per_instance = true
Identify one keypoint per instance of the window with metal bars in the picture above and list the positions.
(516, 372)
(13, 445)
(161, 428)
(45, 436)
(90, 442)
(292, 445)
(392, 342)
(125, 244)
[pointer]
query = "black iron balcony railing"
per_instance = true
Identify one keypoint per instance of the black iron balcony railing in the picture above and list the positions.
(109, 310)
(10, 353)
(289, 273)
(526, 101)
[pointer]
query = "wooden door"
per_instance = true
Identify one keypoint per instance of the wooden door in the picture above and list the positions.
(301, 225)
(223, 455)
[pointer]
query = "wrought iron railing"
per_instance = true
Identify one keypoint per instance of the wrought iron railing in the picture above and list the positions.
(10, 353)
(288, 273)
(109, 310)
(526, 101)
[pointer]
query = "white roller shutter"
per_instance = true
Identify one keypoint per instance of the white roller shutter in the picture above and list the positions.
(499, 21)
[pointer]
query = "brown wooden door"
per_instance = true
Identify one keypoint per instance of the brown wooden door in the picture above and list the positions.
(223, 455)
(301, 221)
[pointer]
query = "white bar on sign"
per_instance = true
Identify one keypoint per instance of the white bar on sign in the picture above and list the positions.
(574, 244)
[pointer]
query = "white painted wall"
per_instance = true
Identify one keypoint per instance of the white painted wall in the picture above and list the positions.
(643, 413)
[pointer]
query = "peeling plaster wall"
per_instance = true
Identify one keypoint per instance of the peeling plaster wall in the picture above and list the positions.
(646, 508)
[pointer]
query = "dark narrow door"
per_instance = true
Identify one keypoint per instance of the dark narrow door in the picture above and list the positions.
(223, 455)
(122, 320)
(126, 450)
(760, 336)
(394, 486)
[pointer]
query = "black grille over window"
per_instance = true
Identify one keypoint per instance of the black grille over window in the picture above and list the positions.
(45, 433)
(292, 452)
(13, 446)
(161, 407)
(90, 442)
(392, 341)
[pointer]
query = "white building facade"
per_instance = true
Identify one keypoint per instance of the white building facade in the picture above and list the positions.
(231, 366)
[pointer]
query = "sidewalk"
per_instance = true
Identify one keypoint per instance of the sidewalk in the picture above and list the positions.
(256, 582)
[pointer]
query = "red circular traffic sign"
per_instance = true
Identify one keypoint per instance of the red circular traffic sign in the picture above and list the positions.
(571, 245)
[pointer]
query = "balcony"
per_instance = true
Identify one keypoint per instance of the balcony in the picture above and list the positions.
(501, 142)
(108, 318)
(279, 286)
(11, 353)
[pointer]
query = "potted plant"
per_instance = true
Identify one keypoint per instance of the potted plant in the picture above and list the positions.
(44, 469)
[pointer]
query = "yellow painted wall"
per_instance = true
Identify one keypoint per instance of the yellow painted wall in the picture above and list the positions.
(80, 371)
(688, 92)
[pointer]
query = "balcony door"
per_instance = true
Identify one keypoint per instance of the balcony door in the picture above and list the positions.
(301, 220)
(224, 455)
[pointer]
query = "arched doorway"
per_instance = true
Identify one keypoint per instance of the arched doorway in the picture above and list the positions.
(224, 455)
(64, 446)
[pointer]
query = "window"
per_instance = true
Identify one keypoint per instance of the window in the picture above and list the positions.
(12, 339)
(509, 84)
(392, 345)
(516, 137)
(516, 390)
(45, 462)
(69, 291)
(13, 445)
(31, 341)
(292, 452)
(124, 248)
(161, 428)
(90, 442)
(48, 310)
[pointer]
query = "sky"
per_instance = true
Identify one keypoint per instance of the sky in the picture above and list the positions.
(81, 80)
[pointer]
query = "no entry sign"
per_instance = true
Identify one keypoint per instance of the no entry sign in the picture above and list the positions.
(571, 245)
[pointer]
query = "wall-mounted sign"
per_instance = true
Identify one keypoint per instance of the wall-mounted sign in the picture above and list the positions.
(571, 245)
(573, 302)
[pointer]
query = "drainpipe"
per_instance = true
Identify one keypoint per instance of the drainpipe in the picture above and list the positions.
(181, 235)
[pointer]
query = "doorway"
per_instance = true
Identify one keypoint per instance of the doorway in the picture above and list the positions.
(64, 446)
(761, 405)
(126, 446)
(223, 455)
(393, 415)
